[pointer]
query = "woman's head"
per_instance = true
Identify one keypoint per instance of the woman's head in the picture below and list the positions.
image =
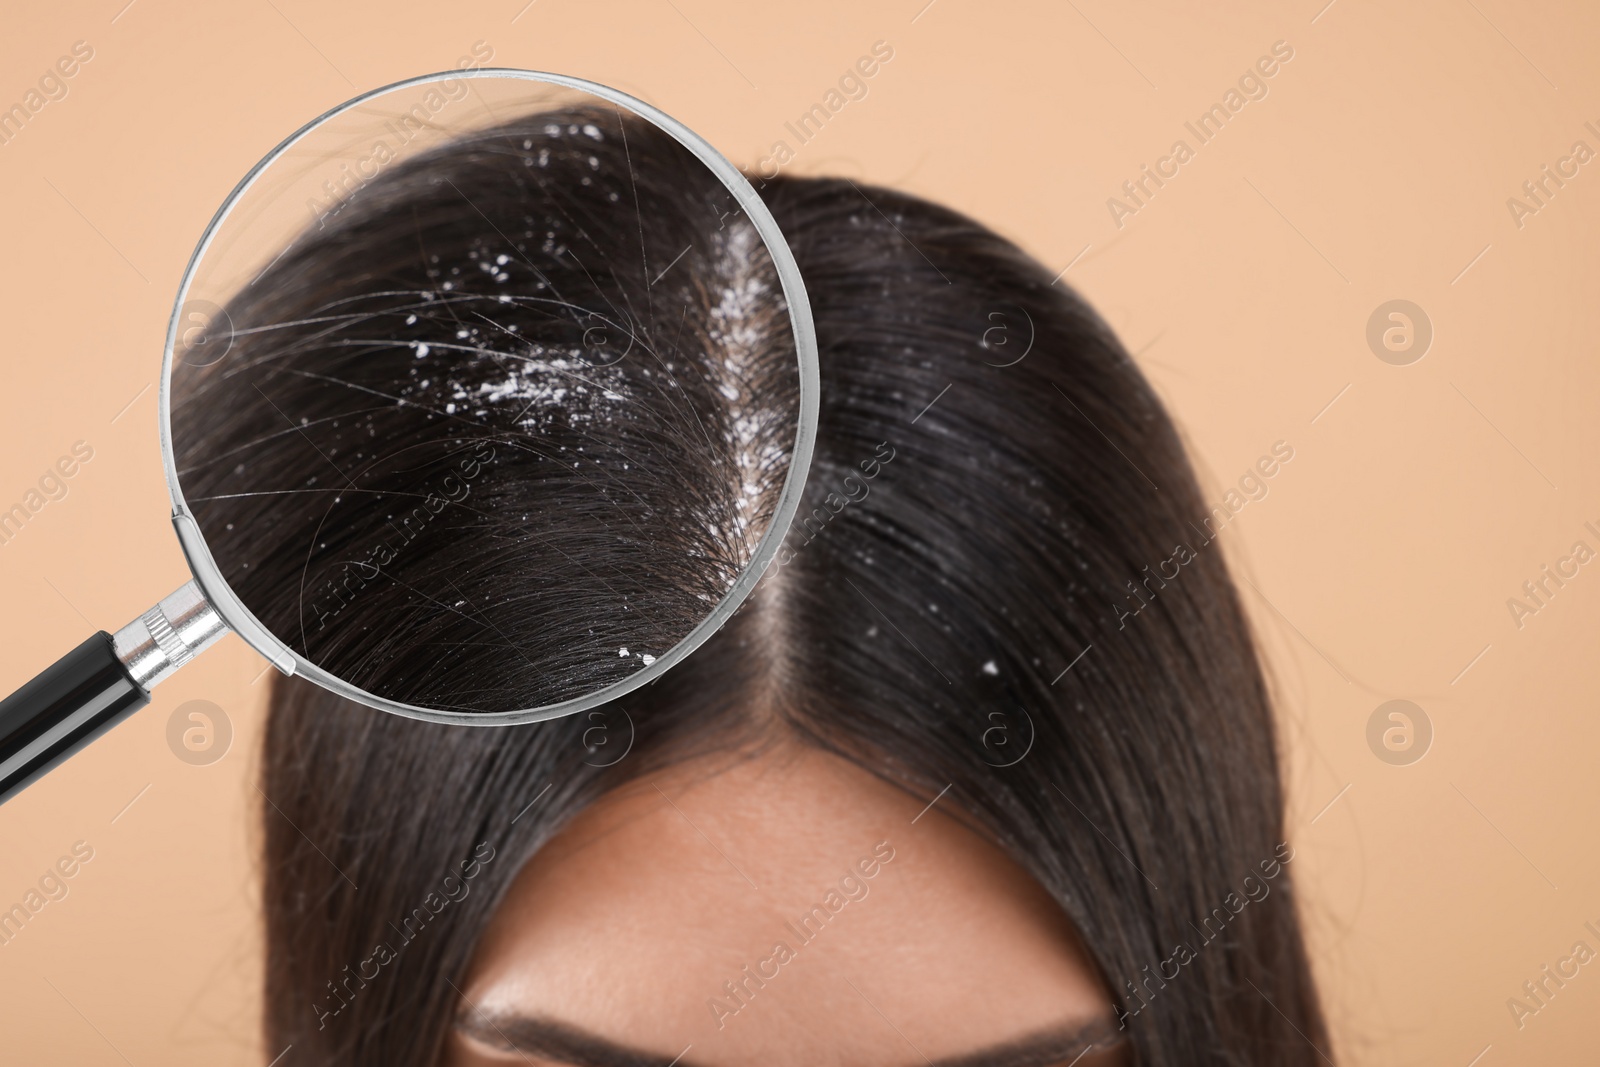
(998, 662)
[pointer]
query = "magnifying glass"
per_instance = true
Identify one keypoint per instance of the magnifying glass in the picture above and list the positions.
(478, 355)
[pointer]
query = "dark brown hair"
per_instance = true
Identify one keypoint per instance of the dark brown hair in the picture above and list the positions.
(993, 486)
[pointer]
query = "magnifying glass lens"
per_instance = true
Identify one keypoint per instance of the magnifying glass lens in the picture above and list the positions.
(485, 396)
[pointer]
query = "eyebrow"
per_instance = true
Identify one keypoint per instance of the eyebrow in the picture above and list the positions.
(565, 1044)
(1047, 1048)
(557, 1041)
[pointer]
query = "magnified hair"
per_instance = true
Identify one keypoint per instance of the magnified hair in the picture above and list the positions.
(484, 407)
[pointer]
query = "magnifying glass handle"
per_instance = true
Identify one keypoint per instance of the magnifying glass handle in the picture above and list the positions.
(84, 694)
(97, 685)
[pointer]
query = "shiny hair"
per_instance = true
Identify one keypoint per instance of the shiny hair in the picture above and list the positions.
(970, 601)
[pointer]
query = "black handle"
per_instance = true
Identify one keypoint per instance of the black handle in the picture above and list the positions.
(84, 694)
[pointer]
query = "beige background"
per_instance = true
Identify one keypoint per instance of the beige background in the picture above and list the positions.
(1377, 167)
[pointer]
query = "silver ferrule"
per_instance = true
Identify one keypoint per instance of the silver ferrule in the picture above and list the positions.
(167, 636)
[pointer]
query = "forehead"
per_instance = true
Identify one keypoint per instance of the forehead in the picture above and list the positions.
(786, 908)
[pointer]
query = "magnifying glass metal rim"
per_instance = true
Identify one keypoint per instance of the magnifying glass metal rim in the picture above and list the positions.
(239, 619)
